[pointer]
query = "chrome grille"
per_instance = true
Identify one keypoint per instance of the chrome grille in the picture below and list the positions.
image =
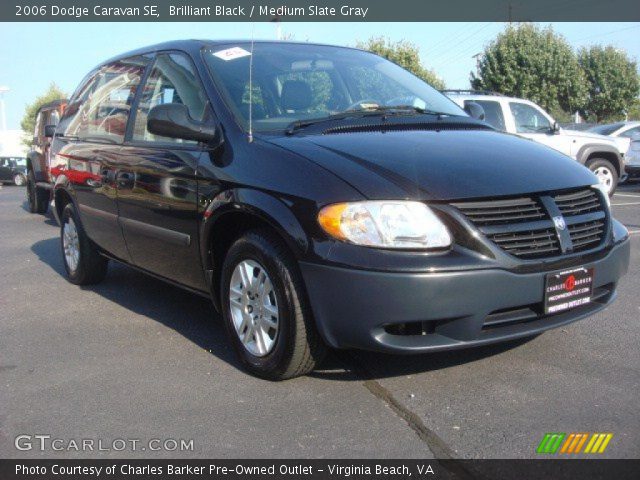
(523, 226)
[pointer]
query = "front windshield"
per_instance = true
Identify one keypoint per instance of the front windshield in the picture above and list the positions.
(297, 82)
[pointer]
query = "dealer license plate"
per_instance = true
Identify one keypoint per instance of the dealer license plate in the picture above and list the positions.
(568, 289)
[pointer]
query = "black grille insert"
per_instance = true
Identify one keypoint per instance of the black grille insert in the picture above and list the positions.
(586, 235)
(528, 244)
(497, 212)
(523, 226)
(578, 203)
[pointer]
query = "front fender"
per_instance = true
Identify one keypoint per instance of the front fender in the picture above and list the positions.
(268, 208)
(607, 151)
(62, 186)
(36, 163)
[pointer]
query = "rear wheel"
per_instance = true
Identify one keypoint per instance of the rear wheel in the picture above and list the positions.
(37, 197)
(606, 173)
(82, 260)
(265, 310)
(19, 179)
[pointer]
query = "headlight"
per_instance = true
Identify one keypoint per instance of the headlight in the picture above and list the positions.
(385, 224)
(603, 190)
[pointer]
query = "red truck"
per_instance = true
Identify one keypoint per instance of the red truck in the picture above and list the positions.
(39, 173)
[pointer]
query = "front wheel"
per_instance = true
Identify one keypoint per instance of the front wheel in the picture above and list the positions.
(82, 260)
(265, 310)
(38, 198)
(19, 179)
(606, 173)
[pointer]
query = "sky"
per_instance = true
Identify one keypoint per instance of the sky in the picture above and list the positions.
(32, 55)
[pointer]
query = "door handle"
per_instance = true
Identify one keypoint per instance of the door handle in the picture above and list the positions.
(125, 179)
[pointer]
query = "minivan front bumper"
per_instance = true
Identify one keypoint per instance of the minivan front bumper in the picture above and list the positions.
(424, 312)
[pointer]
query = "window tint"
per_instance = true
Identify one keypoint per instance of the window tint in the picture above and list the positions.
(100, 109)
(172, 80)
(492, 113)
(631, 133)
(528, 119)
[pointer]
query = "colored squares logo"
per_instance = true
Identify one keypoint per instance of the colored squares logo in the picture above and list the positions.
(574, 443)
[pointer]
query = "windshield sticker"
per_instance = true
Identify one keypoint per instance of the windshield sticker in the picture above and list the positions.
(231, 53)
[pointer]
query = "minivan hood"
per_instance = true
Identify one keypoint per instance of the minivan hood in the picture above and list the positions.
(439, 165)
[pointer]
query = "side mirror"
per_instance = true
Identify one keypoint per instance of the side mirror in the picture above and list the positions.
(555, 128)
(49, 131)
(474, 110)
(173, 120)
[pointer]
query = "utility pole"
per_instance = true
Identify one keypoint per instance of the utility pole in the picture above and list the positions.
(510, 13)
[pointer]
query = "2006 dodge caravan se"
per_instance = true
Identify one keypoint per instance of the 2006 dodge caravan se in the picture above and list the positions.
(325, 196)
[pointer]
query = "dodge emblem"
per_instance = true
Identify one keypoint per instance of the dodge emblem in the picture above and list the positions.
(559, 222)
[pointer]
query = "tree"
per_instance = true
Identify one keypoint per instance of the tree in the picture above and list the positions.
(405, 54)
(28, 122)
(533, 63)
(634, 110)
(612, 80)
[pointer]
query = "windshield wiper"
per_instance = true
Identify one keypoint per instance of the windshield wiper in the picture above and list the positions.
(373, 111)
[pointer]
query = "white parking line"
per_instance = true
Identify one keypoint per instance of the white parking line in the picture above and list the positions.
(626, 203)
(634, 232)
(626, 195)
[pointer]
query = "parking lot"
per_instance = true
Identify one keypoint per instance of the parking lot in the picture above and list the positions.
(134, 358)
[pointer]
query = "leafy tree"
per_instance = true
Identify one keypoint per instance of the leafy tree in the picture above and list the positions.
(634, 110)
(28, 122)
(613, 82)
(405, 54)
(533, 63)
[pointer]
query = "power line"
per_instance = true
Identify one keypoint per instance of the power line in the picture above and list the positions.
(446, 52)
(607, 33)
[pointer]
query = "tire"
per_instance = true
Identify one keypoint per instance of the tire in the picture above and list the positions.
(296, 347)
(37, 197)
(606, 173)
(19, 180)
(82, 261)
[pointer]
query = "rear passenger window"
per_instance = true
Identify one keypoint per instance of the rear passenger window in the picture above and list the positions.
(100, 109)
(172, 80)
(492, 113)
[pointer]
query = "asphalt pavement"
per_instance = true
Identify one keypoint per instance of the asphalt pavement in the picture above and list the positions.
(137, 360)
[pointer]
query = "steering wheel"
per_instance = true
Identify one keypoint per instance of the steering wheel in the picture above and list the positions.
(354, 105)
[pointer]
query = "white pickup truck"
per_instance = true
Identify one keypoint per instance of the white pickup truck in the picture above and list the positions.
(604, 156)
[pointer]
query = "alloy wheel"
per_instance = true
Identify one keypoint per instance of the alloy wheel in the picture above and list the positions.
(71, 245)
(605, 177)
(254, 307)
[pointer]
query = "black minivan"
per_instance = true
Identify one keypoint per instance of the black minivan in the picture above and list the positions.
(323, 196)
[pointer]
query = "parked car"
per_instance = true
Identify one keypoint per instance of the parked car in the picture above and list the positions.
(630, 130)
(602, 155)
(324, 196)
(39, 179)
(12, 170)
(618, 129)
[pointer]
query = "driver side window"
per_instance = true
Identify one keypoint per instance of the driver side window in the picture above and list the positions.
(172, 80)
(528, 119)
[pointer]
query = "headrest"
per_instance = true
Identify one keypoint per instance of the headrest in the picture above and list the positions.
(296, 95)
